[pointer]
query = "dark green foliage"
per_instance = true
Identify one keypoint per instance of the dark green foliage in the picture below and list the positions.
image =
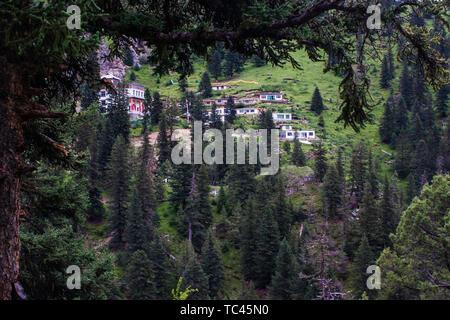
(195, 277)
(363, 259)
(205, 86)
(119, 114)
(385, 74)
(139, 277)
(280, 287)
(119, 180)
(164, 149)
(212, 265)
(332, 191)
(128, 58)
(156, 108)
(386, 128)
(180, 185)
(198, 213)
(340, 166)
(214, 64)
(358, 170)
(369, 221)
(138, 230)
(230, 110)
(442, 101)
(406, 86)
(388, 216)
(214, 119)
(316, 103)
(320, 161)
(46, 256)
(267, 241)
(298, 157)
(221, 200)
(160, 268)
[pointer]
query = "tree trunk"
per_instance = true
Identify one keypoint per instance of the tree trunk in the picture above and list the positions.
(11, 168)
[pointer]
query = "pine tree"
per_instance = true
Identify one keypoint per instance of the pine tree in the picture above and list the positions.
(267, 244)
(119, 179)
(248, 240)
(372, 175)
(401, 121)
(320, 162)
(406, 85)
(132, 76)
(298, 157)
(228, 67)
(369, 222)
(138, 232)
(442, 101)
(280, 286)
(363, 259)
(385, 74)
(358, 170)
(332, 191)
(214, 119)
(287, 147)
(156, 108)
(230, 110)
(390, 58)
(195, 277)
(340, 167)
(160, 268)
(386, 126)
(139, 277)
(120, 119)
(316, 103)
(283, 213)
(163, 141)
(212, 265)
(106, 144)
(198, 212)
(128, 58)
(221, 200)
(205, 86)
(214, 64)
(388, 215)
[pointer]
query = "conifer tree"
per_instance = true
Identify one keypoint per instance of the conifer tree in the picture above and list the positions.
(215, 64)
(280, 286)
(214, 119)
(388, 215)
(317, 103)
(163, 140)
(212, 265)
(298, 157)
(119, 179)
(195, 277)
(320, 162)
(132, 76)
(358, 170)
(385, 74)
(221, 200)
(160, 268)
(442, 101)
(106, 144)
(228, 67)
(372, 175)
(332, 191)
(406, 85)
(363, 259)
(248, 240)
(139, 277)
(340, 167)
(401, 120)
(205, 86)
(287, 147)
(120, 119)
(386, 127)
(369, 222)
(156, 108)
(267, 244)
(138, 232)
(128, 58)
(230, 110)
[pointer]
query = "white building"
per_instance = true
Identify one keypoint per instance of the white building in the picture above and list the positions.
(133, 91)
(302, 135)
(248, 111)
(282, 116)
(219, 86)
(271, 96)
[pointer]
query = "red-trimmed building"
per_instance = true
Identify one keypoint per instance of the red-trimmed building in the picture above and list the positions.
(133, 91)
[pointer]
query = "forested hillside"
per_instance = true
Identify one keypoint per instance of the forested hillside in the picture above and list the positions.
(369, 188)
